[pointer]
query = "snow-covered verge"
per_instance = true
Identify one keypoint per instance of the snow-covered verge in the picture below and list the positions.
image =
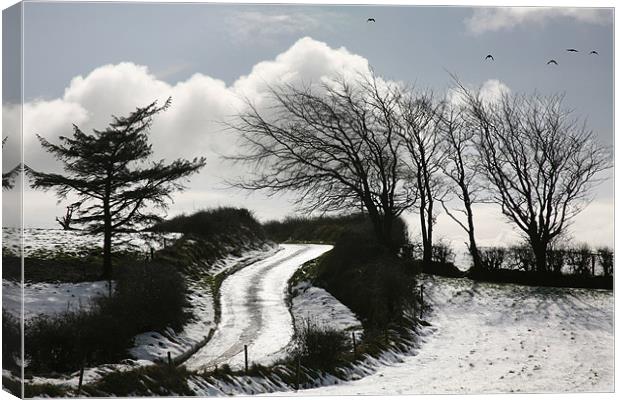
(494, 338)
(149, 347)
(49, 298)
(317, 305)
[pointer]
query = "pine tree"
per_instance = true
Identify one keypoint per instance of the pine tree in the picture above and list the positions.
(111, 173)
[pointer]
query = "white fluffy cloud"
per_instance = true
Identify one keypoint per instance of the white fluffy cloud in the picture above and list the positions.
(192, 127)
(502, 18)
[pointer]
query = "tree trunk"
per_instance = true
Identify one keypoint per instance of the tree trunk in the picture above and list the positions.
(107, 250)
(540, 253)
(473, 247)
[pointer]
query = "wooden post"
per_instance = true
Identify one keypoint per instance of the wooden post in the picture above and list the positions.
(79, 390)
(298, 372)
(354, 343)
(164, 243)
(169, 360)
(593, 257)
(152, 253)
(245, 350)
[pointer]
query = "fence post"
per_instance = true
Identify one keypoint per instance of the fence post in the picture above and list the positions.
(152, 254)
(169, 360)
(593, 258)
(79, 390)
(245, 350)
(354, 342)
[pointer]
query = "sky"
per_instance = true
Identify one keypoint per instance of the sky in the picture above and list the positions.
(86, 61)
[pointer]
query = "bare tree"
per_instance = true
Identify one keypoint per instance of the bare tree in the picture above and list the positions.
(462, 169)
(540, 161)
(335, 145)
(420, 116)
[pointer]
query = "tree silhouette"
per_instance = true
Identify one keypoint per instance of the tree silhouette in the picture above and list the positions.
(8, 179)
(462, 169)
(420, 119)
(335, 145)
(110, 172)
(540, 161)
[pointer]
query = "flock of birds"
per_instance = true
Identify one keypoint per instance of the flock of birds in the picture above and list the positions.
(491, 58)
(552, 61)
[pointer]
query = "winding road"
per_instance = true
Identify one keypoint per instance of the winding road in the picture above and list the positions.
(254, 311)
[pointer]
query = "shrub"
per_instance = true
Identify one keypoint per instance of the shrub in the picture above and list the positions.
(492, 258)
(443, 253)
(375, 284)
(11, 341)
(319, 346)
(329, 229)
(606, 259)
(580, 260)
(147, 297)
(556, 260)
(214, 222)
(521, 257)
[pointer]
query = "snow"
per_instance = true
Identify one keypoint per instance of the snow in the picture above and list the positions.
(47, 243)
(50, 298)
(254, 311)
(314, 304)
(154, 346)
(494, 338)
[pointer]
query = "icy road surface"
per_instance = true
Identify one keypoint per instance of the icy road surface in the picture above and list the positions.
(492, 338)
(254, 311)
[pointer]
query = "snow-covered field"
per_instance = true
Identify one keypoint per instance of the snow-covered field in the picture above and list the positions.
(49, 298)
(254, 311)
(47, 243)
(493, 338)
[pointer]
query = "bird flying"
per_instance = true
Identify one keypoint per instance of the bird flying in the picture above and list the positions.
(594, 52)
(489, 57)
(370, 20)
(552, 62)
(573, 50)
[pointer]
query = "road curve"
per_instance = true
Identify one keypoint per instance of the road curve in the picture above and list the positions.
(254, 310)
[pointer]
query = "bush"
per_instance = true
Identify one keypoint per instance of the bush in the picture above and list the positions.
(329, 229)
(375, 284)
(443, 253)
(521, 257)
(214, 222)
(606, 259)
(147, 297)
(319, 346)
(492, 258)
(11, 341)
(580, 260)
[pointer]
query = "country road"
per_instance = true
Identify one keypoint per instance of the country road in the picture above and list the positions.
(254, 310)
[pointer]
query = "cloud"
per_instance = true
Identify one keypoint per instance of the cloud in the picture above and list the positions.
(505, 18)
(490, 91)
(192, 127)
(264, 26)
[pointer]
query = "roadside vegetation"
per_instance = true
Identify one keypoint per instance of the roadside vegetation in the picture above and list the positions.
(149, 294)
